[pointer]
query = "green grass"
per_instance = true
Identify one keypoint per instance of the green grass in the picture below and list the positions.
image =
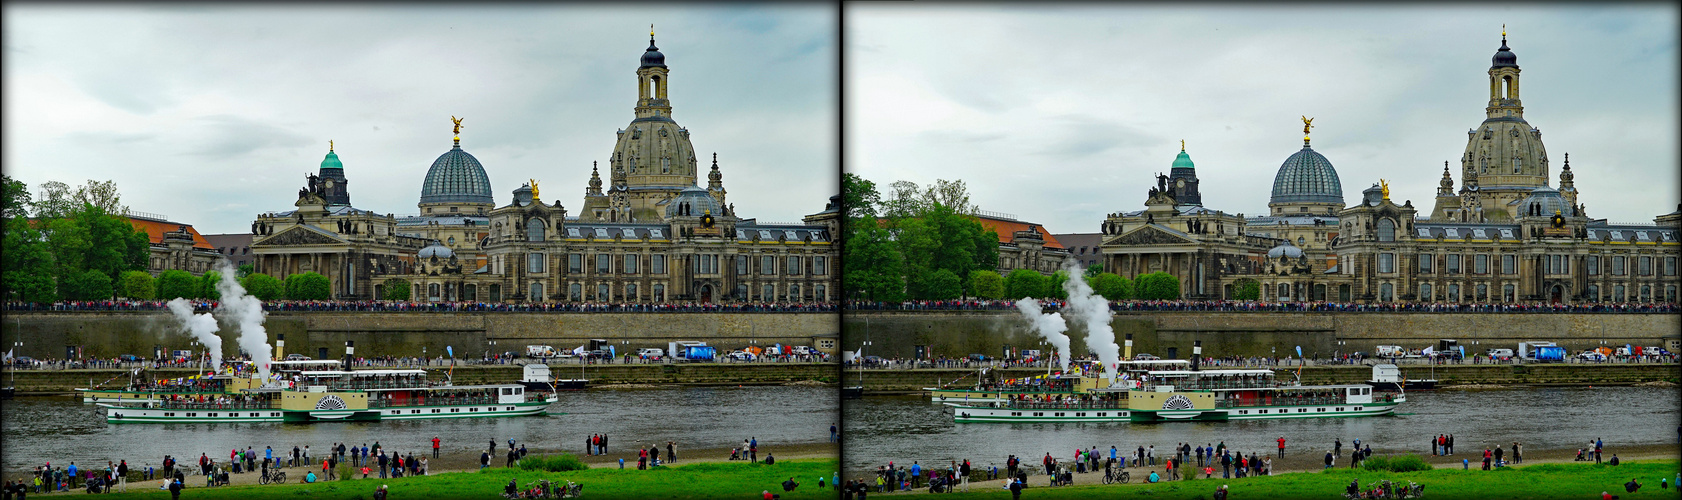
(564, 462)
(1403, 463)
(1575, 481)
(702, 480)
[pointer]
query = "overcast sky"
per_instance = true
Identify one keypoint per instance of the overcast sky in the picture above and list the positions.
(211, 114)
(1063, 114)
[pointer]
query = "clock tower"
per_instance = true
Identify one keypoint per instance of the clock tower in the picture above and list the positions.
(332, 182)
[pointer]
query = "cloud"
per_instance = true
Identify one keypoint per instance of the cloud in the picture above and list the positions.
(228, 137)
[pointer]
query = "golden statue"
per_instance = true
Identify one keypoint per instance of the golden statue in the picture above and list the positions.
(651, 30)
(1384, 187)
(457, 122)
(534, 189)
(1307, 123)
(329, 145)
(1503, 30)
(1182, 145)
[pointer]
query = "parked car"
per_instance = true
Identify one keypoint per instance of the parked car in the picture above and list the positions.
(1501, 353)
(740, 355)
(540, 351)
(1591, 356)
(1145, 356)
(297, 357)
(651, 352)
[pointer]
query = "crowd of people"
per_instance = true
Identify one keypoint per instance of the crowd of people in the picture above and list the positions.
(1264, 306)
(406, 306)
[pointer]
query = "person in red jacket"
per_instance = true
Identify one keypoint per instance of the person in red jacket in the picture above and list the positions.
(1281, 446)
(434, 446)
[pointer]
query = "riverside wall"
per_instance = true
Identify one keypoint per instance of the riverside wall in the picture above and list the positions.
(65, 381)
(914, 380)
(1171, 334)
(47, 334)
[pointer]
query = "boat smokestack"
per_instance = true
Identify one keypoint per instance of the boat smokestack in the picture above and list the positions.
(1128, 345)
(279, 346)
(350, 353)
(1196, 353)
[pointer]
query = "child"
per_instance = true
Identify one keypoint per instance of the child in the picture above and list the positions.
(364, 472)
(1208, 471)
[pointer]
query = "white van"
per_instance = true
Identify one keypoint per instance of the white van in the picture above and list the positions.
(1390, 351)
(1501, 353)
(540, 351)
(650, 352)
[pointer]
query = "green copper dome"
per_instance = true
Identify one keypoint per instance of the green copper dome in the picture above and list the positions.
(1183, 161)
(331, 161)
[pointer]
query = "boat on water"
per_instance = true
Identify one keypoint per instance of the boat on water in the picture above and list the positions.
(1189, 395)
(141, 386)
(334, 395)
(986, 390)
(1388, 378)
(537, 378)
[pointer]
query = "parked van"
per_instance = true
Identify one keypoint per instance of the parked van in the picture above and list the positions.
(1501, 353)
(1390, 351)
(650, 352)
(540, 351)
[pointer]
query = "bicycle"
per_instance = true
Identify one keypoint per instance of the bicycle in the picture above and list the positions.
(273, 476)
(1112, 476)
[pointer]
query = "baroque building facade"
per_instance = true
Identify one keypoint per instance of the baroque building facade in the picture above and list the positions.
(1504, 236)
(653, 235)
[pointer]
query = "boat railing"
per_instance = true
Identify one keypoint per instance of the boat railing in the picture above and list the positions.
(433, 401)
(168, 389)
(1059, 405)
(1204, 385)
(1279, 401)
(379, 384)
(232, 405)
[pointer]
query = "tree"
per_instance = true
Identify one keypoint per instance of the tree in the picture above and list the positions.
(137, 285)
(1246, 289)
(88, 285)
(396, 289)
(874, 265)
(15, 201)
(986, 284)
(245, 270)
(1093, 271)
(1157, 286)
(1025, 283)
(26, 264)
(55, 201)
(1112, 286)
(859, 198)
(176, 283)
(262, 286)
(308, 286)
(952, 194)
(207, 286)
(100, 194)
(1054, 287)
(945, 285)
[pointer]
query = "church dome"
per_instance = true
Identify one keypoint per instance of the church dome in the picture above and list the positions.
(652, 58)
(1504, 58)
(693, 202)
(1183, 160)
(1543, 202)
(331, 161)
(435, 250)
(1285, 249)
(1306, 177)
(456, 177)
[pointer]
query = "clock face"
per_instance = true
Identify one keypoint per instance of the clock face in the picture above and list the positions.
(1180, 183)
(329, 183)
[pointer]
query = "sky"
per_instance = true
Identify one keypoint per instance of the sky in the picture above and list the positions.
(1063, 114)
(212, 114)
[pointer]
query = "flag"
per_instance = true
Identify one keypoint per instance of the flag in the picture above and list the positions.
(451, 350)
(9, 354)
(1299, 351)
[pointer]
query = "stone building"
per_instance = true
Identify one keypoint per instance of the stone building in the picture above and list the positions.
(1023, 245)
(174, 245)
(1503, 236)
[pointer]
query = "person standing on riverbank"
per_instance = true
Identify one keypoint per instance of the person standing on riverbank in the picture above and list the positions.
(434, 446)
(1281, 446)
(671, 452)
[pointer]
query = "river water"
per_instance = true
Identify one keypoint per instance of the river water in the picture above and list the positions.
(907, 428)
(62, 429)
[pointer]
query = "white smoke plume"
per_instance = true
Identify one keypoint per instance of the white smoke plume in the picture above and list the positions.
(1050, 326)
(1093, 311)
(247, 312)
(201, 326)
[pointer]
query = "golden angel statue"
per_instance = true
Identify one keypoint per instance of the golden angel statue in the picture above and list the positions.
(457, 122)
(534, 189)
(1307, 123)
(1384, 187)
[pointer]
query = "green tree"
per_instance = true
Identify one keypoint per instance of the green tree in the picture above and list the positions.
(396, 289)
(1112, 286)
(137, 285)
(1025, 283)
(1157, 286)
(207, 286)
(986, 284)
(874, 265)
(26, 264)
(859, 198)
(945, 285)
(261, 286)
(55, 201)
(1054, 287)
(245, 270)
(15, 201)
(88, 285)
(1246, 289)
(176, 283)
(308, 286)
(1093, 271)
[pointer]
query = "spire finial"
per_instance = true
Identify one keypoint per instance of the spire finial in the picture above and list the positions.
(1503, 31)
(651, 32)
(329, 145)
(1182, 145)
(1307, 123)
(457, 129)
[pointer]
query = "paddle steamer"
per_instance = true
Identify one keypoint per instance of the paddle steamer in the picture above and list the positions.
(333, 395)
(1188, 395)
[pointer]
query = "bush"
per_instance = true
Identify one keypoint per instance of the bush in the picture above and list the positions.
(261, 286)
(986, 284)
(307, 286)
(88, 285)
(207, 285)
(1246, 289)
(944, 285)
(553, 463)
(138, 285)
(1112, 286)
(1157, 286)
(177, 283)
(1025, 283)
(395, 289)
(1403, 463)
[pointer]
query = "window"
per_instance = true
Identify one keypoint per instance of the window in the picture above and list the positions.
(741, 292)
(1509, 264)
(818, 264)
(1453, 264)
(604, 263)
(536, 291)
(1386, 292)
(1480, 264)
(1453, 292)
(741, 265)
(793, 265)
(1618, 265)
(631, 263)
(818, 293)
(1425, 263)
(1594, 293)
(769, 293)
(767, 265)
(657, 264)
(1646, 293)
(1482, 292)
(631, 292)
(1646, 266)
(1516, 164)
(1386, 230)
(1593, 262)
(534, 262)
(1507, 292)
(575, 292)
(794, 292)
(659, 292)
(575, 263)
(1425, 292)
(1670, 266)
(1670, 293)
(603, 293)
(1386, 262)
(706, 264)
(1618, 293)
(1284, 292)
(534, 230)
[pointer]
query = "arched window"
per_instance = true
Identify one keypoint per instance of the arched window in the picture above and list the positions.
(1507, 291)
(741, 292)
(470, 292)
(1593, 293)
(536, 292)
(1453, 293)
(1670, 294)
(794, 293)
(1618, 294)
(603, 293)
(1284, 291)
(432, 291)
(1386, 230)
(1646, 293)
(534, 229)
(1483, 292)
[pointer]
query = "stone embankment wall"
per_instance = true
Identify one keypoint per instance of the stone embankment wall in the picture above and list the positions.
(1321, 334)
(65, 381)
(891, 381)
(108, 334)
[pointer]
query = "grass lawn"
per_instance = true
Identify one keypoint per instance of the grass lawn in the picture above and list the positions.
(1580, 481)
(701, 480)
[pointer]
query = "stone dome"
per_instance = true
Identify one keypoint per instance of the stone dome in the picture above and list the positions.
(693, 202)
(652, 58)
(331, 161)
(1307, 177)
(1504, 58)
(1543, 202)
(1285, 249)
(435, 250)
(456, 177)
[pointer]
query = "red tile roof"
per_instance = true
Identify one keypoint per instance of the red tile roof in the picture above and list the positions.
(156, 229)
(1007, 228)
